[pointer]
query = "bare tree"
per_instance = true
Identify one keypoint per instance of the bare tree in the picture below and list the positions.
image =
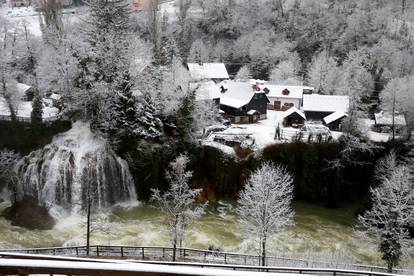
(264, 204)
(177, 203)
(392, 211)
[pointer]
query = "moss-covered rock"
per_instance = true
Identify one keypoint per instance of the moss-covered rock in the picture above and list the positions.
(28, 214)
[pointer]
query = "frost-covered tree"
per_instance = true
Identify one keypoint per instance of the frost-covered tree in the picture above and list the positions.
(177, 203)
(398, 96)
(199, 53)
(243, 73)
(287, 72)
(392, 211)
(150, 125)
(265, 204)
(323, 74)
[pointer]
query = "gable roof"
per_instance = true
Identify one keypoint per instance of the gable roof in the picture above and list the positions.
(207, 91)
(292, 110)
(238, 94)
(386, 119)
(276, 91)
(334, 116)
(325, 103)
(208, 71)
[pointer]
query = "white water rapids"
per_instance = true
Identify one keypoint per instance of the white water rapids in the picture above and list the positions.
(60, 174)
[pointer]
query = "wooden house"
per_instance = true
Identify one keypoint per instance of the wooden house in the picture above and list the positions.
(328, 109)
(293, 117)
(384, 122)
(243, 103)
(216, 72)
(283, 97)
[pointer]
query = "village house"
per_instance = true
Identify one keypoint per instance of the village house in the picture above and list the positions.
(330, 110)
(384, 123)
(216, 72)
(243, 102)
(207, 91)
(283, 97)
(293, 117)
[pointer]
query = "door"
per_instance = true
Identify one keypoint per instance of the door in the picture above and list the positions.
(277, 105)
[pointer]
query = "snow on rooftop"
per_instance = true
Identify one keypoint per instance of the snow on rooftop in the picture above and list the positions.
(334, 116)
(238, 94)
(252, 112)
(22, 88)
(383, 118)
(24, 109)
(325, 103)
(207, 91)
(292, 110)
(276, 91)
(208, 71)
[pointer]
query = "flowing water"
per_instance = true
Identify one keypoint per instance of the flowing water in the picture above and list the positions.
(327, 233)
(56, 177)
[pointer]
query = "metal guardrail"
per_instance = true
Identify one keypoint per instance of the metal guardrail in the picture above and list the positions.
(164, 254)
(40, 264)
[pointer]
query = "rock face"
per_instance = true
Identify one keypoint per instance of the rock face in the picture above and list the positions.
(28, 214)
(78, 166)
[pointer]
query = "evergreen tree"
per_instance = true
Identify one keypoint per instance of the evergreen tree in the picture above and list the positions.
(150, 126)
(37, 110)
(185, 118)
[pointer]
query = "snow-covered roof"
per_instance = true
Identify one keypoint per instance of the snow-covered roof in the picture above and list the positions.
(238, 94)
(252, 112)
(334, 116)
(383, 118)
(207, 91)
(325, 103)
(22, 88)
(208, 71)
(55, 97)
(292, 110)
(277, 91)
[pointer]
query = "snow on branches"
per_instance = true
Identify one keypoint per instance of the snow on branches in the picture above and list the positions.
(177, 203)
(264, 204)
(392, 211)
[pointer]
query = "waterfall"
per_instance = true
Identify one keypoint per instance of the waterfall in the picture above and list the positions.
(78, 167)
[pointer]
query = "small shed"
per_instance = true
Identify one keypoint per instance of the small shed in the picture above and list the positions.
(335, 120)
(384, 122)
(26, 92)
(293, 117)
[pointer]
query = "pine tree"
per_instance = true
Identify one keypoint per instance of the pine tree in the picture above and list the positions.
(150, 126)
(185, 118)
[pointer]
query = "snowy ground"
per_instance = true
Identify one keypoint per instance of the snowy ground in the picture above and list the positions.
(24, 109)
(29, 17)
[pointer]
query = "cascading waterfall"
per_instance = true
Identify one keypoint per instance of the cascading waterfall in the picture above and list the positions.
(77, 168)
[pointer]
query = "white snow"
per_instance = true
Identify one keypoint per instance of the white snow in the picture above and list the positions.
(292, 110)
(238, 94)
(206, 91)
(386, 119)
(325, 103)
(208, 71)
(334, 116)
(120, 266)
(276, 91)
(24, 109)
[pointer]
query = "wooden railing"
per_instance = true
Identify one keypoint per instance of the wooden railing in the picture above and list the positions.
(158, 254)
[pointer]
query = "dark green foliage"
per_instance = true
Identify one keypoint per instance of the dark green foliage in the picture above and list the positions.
(390, 245)
(18, 136)
(185, 119)
(37, 110)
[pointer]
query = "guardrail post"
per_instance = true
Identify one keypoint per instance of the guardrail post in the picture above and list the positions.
(225, 258)
(163, 252)
(97, 251)
(245, 259)
(77, 253)
(122, 251)
(54, 251)
(205, 255)
(143, 253)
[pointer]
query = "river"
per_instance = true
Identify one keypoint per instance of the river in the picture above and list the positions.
(319, 233)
